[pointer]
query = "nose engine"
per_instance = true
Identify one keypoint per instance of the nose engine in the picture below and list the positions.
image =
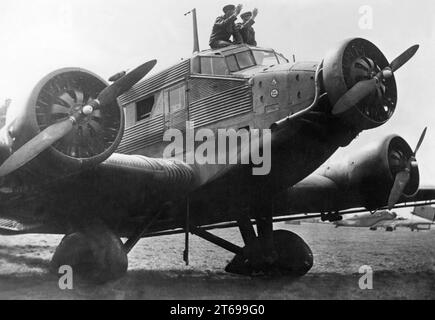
(360, 83)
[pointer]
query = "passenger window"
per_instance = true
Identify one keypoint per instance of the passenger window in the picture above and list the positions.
(176, 99)
(158, 105)
(213, 65)
(232, 63)
(144, 108)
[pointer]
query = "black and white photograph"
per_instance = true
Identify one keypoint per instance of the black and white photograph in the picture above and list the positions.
(215, 151)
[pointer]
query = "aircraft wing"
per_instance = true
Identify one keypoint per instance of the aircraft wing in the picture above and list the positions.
(363, 181)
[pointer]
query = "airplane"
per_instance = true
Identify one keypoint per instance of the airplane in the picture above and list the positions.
(422, 219)
(85, 159)
(366, 220)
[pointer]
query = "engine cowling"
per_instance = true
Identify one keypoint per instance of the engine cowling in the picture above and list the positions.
(56, 97)
(352, 61)
(371, 172)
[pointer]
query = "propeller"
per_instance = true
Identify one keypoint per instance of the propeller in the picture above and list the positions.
(56, 131)
(365, 87)
(403, 177)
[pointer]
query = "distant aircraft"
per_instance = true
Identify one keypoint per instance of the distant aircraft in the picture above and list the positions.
(366, 220)
(422, 219)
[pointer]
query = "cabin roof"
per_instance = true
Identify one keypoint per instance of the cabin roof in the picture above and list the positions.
(230, 50)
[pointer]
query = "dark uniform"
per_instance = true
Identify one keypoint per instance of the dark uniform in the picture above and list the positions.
(223, 29)
(247, 32)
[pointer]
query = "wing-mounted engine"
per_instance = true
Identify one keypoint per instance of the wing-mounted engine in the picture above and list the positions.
(374, 173)
(71, 121)
(56, 98)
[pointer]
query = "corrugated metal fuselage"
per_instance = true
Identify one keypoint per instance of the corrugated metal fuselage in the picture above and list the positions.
(255, 101)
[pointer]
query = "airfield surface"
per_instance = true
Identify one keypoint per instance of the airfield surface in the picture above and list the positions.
(403, 263)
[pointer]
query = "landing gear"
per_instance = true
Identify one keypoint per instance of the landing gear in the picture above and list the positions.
(277, 252)
(96, 254)
(293, 258)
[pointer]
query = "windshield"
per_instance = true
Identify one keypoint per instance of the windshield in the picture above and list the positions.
(265, 58)
(244, 59)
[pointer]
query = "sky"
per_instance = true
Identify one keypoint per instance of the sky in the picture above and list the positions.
(107, 36)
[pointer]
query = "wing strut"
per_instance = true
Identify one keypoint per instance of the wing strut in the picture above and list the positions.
(186, 233)
(143, 230)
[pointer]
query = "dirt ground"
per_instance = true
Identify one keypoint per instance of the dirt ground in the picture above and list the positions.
(403, 264)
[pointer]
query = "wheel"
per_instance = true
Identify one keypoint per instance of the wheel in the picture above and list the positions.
(293, 257)
(96, 255)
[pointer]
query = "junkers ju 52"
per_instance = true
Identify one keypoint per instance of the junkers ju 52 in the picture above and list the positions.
(86, 159)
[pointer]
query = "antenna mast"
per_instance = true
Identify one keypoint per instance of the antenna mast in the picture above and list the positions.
(195, 30)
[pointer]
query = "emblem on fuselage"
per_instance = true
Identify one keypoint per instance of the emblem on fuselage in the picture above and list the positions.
(274, 93)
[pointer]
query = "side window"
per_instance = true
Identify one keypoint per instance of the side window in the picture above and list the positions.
(144, 108)
(176, 99)
(232, 64)
(158, 105)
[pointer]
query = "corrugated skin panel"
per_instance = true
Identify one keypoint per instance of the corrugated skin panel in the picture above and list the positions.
(156, 82)
(164, 170)
(200, 88)
(141, 135)
(224, 105)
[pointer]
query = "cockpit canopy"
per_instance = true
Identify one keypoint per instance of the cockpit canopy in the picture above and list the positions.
(234, 60)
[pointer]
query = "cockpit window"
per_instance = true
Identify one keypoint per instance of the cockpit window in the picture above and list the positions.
(281, 58)
(265, 58)
(213, 66)
(232, 64)
(245, 60)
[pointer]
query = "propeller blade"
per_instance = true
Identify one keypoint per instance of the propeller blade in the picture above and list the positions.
(35, 146)
(117, 76)
(420, 141)
(109, 94)
(403, 58)
(357, 93)
(402, 179)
